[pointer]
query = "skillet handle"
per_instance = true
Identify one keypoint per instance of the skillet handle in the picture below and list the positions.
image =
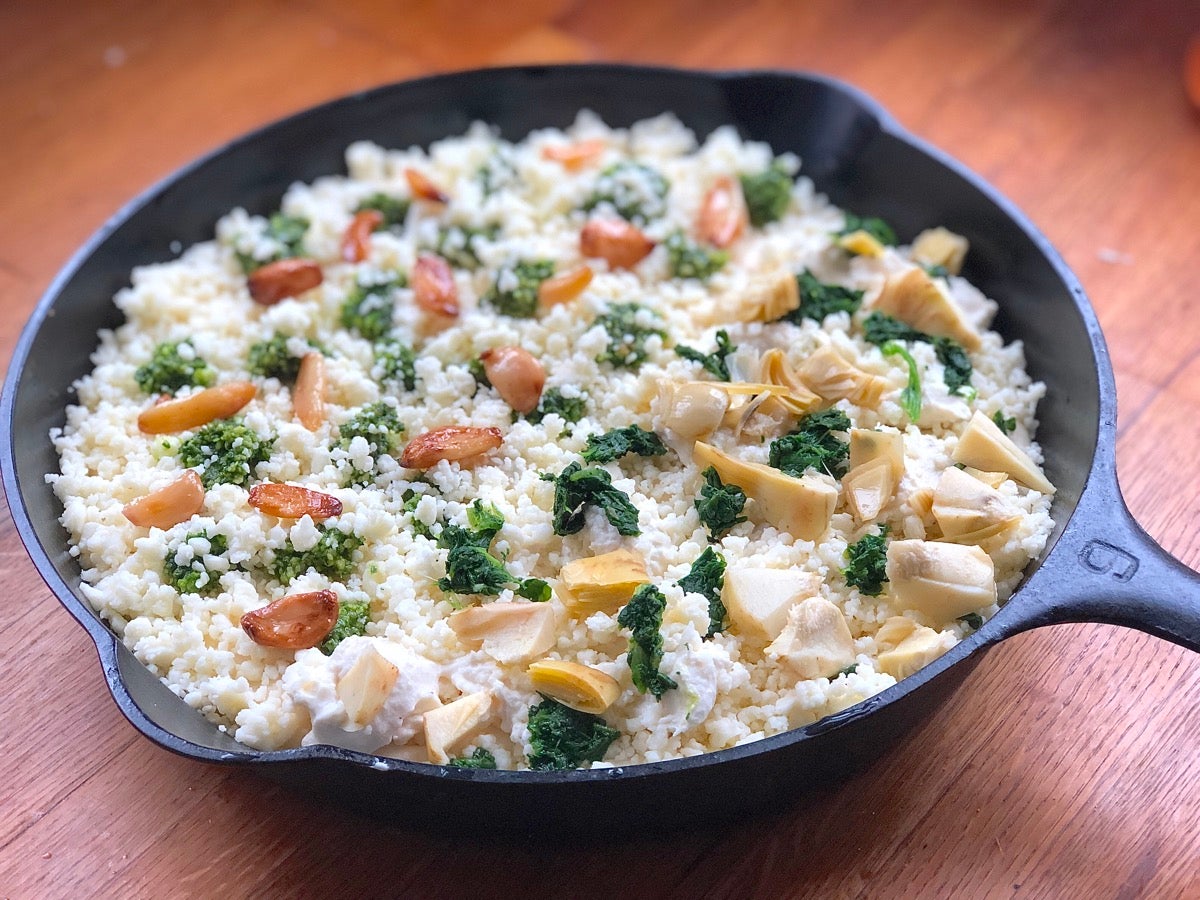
(1107, 569)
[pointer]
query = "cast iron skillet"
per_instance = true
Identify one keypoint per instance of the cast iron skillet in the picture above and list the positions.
(1100, 566)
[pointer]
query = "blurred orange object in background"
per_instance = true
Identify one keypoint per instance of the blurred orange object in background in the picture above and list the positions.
(1191, 71)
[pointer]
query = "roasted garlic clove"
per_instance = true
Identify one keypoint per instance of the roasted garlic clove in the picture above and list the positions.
(565, 287)
(984, 446)
(622, 244)
(943, 581)
(692, 409)
(917, 300)
(446, 727)
(507, 632)
(577, 686)
(918, 649)
(964, 505)
(450, 442)
(294, 622)
(200, 408)
(169, 505)
(800, 506)
(829, 374)
(941, 247)
(365, 687)
(308, 395)
(758, 600)
(816, 642)
(602, 582)
(516, 374)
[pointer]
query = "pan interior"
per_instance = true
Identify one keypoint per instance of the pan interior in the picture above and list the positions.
(846, 145)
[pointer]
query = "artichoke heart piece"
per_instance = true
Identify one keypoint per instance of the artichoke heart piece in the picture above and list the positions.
(800, 506)
(965, 506)
(893, 631)
(692, 409)
(918, 649)
(745, 397)
(984, 446)
(991, 479)
(448, 726)
(941, 247)
(602, 582)
(365, 686)
(833, 377)
(758, 600)
(766, 299)
(917, 300)
(867, 446)
(580, 687)
(862, 243)
(943, 581)
(776, 370)
(815, 642)
(507, 632)
(869, 488)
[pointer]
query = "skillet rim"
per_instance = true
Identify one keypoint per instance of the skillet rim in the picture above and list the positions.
(108, 646)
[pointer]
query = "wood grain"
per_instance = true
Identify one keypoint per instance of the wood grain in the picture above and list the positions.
(1068, 764)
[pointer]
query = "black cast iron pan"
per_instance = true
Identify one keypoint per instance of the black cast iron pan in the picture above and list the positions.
(1100, 566)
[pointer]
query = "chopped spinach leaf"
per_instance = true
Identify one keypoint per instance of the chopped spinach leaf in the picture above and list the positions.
(818, 300)
(332, 556)
(569, 409)
(867, 563)
(173, 366)
(353, 618)
(369, 307)
(564, 738)
(643, 617)
(706, 578)
(974, 621)
(515, 290)
(576, 488)
(875, 227)
(687, 259)
(226, 451)
(719, 505)
(193, 577)
(393, 209)
(879, 328)
(633, 191)
(457, 244)
(396, 362)
(813, 445)
(714, 363)
(956, 365)
(767, 194)
(602, 448)
(626, 338)
(910, 397)
(479, 759)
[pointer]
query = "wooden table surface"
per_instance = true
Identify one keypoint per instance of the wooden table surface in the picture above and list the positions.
(1066, 766)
